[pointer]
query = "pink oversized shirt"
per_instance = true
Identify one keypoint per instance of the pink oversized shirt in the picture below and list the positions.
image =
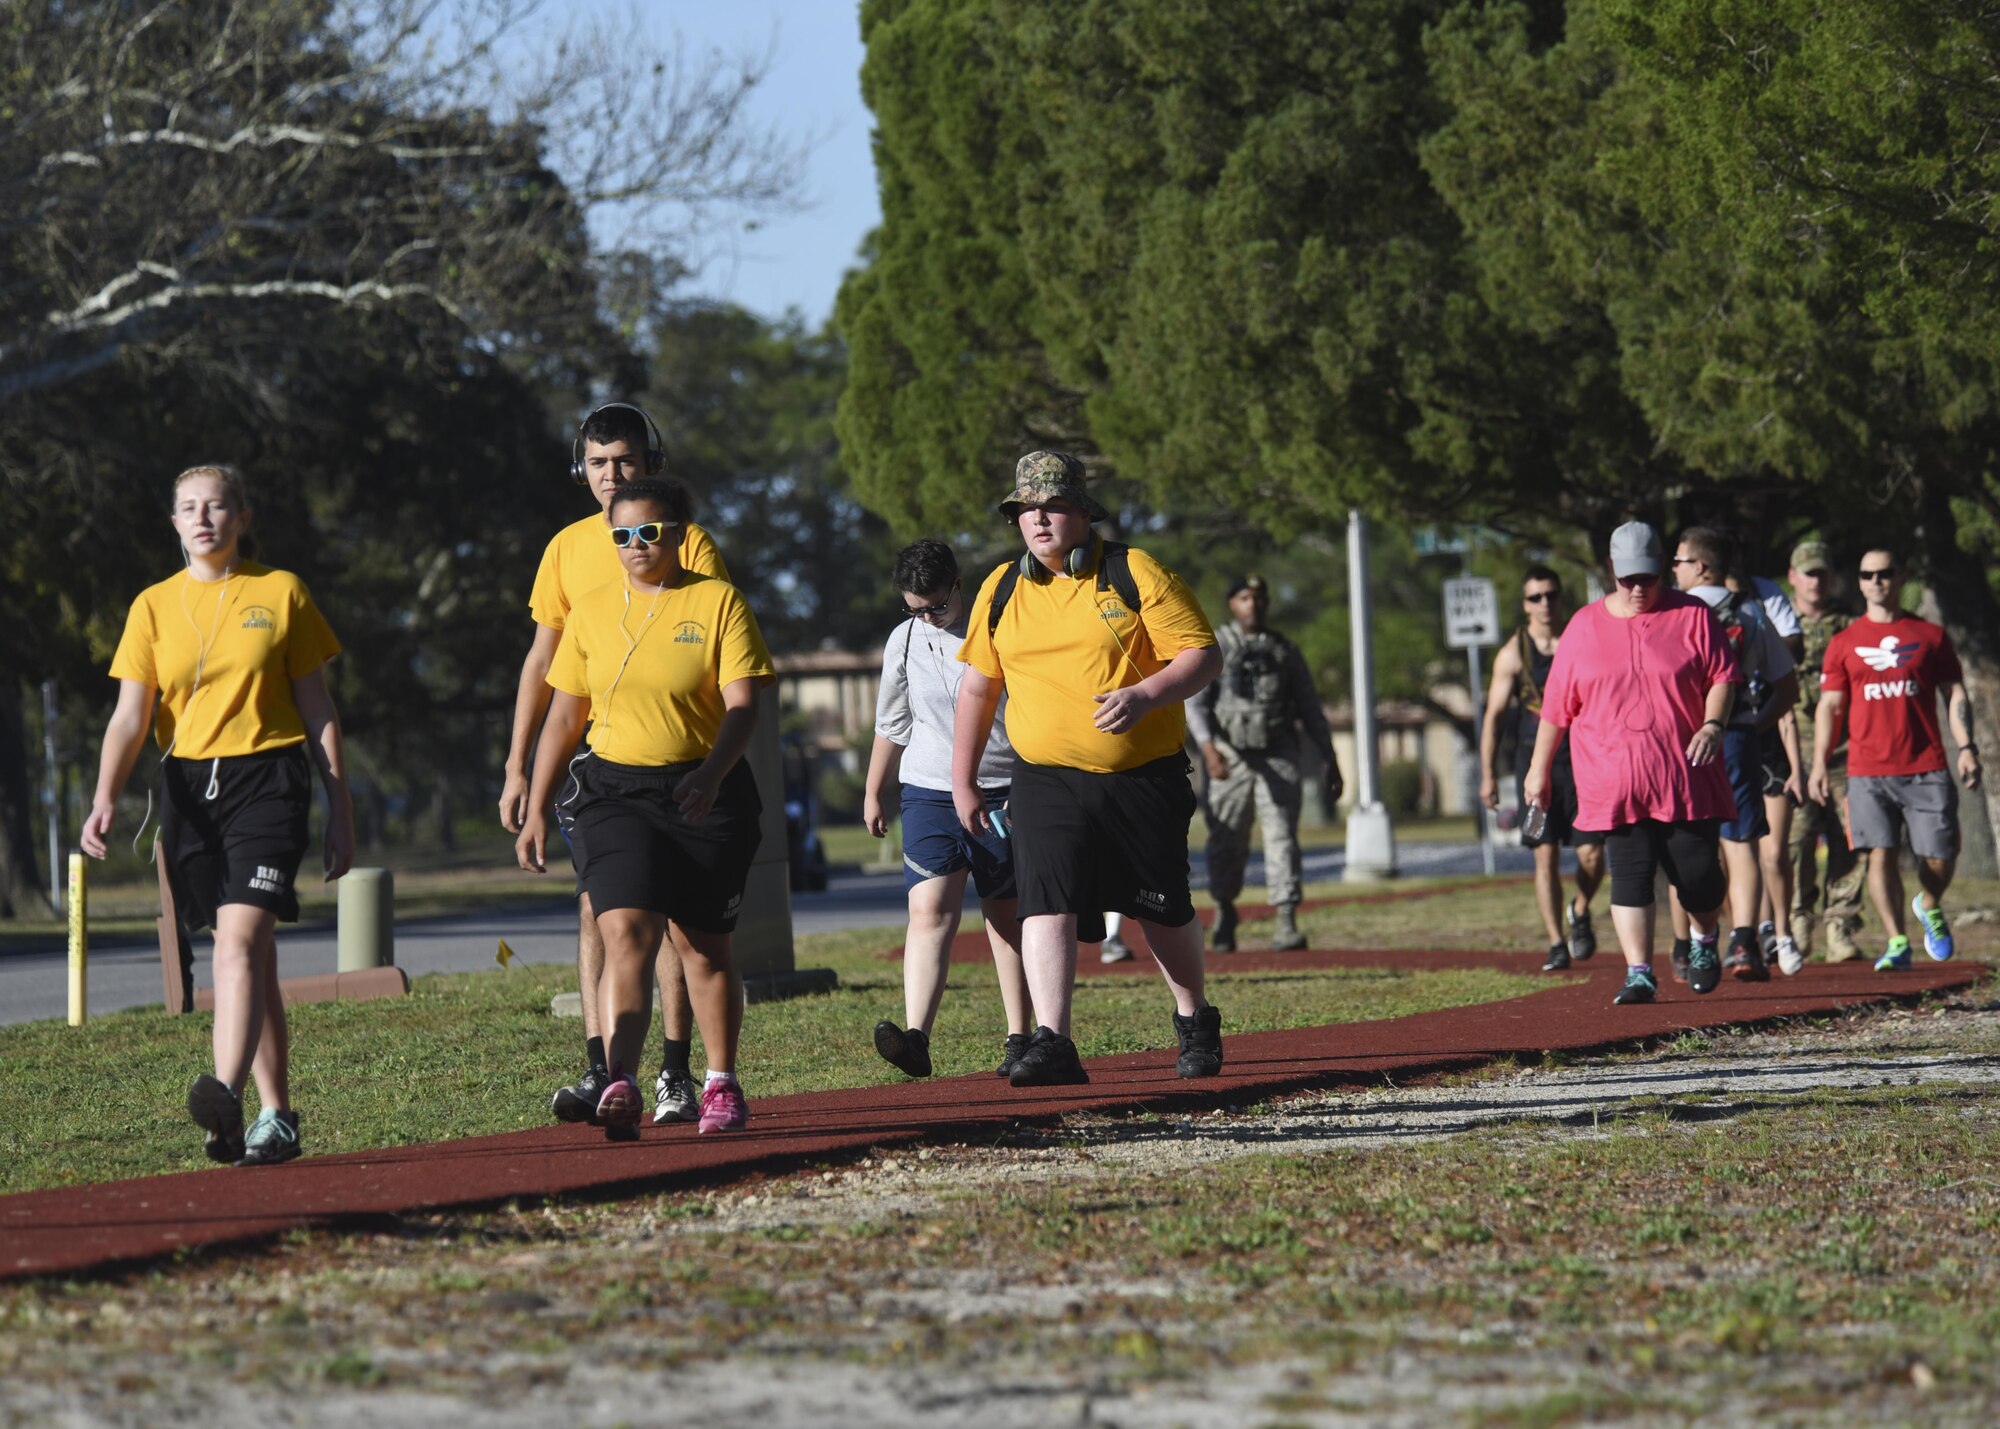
(1631, 693)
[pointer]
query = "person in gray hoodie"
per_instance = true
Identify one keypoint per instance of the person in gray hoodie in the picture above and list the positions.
(915, 707)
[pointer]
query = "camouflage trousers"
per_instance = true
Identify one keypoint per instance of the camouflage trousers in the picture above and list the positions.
(1263, 783)
(1845, 870)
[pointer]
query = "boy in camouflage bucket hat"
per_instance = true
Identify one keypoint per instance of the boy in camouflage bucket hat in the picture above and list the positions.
(1042, 477)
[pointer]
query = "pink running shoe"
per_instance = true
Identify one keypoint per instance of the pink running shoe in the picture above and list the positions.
(619, 1109)
(723, 1107)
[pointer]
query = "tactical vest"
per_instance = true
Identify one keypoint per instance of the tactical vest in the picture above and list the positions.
(1255, 703)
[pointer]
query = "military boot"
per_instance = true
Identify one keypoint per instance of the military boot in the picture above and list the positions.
(1840, 944)
(1287, 938)
(1222, 937)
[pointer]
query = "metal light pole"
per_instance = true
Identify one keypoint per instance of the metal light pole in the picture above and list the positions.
(1371, 843)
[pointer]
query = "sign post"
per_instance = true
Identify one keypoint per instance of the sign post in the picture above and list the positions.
(1472, 619)
(79, 943)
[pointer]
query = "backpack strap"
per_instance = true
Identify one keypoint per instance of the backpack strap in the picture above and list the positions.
(1010, 576)
(1114, 572)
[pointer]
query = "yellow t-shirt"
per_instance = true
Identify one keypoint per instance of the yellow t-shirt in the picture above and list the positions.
(654, 672)
(251, 636)
(1062, 642)
(581, 558)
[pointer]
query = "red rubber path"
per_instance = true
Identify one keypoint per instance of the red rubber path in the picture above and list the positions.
(92, 1228)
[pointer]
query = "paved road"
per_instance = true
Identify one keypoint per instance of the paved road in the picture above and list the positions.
(35, 985)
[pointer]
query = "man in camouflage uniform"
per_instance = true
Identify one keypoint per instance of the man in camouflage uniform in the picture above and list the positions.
(1246, 725)
(1812, 583)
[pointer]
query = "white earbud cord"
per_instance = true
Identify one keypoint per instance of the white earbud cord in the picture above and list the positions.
(603, 716)
(204, 644)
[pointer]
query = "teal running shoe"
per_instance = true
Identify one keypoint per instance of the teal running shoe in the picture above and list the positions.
(1897, 959)
(1704, 967)
(273, 1138)
(1640, 986)
(1937, 932)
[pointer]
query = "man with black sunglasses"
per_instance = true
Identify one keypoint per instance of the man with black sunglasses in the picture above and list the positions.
(1881, 681)
(1520, 670)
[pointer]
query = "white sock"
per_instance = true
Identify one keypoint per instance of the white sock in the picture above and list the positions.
(715, 1076)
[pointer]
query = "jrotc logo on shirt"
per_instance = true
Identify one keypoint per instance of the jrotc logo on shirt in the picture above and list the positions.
(690, 632)
(1112, 608)
(259, 617)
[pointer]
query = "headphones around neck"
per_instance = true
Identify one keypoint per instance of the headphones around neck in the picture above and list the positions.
(1074, 564)
(656, 454)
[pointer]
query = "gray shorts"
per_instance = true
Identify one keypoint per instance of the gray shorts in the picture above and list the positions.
(1880, 806)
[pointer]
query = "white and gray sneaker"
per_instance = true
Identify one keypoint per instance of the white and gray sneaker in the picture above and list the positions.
(1790, 959)
(676, 1097)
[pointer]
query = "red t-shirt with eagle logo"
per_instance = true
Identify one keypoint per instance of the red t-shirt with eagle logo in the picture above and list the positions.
(1890, 674)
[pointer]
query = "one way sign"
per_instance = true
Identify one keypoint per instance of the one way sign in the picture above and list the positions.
(1471, 613)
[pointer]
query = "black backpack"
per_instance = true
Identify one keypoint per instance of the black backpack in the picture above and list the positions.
(1114, 572)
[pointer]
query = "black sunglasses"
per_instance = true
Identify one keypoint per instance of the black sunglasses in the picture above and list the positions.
(1885, 573)
(1541, 596)
(647, 533)
(1638, 582)
(926, 612)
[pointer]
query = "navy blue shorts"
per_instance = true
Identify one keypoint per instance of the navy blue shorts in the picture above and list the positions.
(1743, 756)
(936, 844)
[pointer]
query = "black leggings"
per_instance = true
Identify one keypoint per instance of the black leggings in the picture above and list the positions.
(1686, 849)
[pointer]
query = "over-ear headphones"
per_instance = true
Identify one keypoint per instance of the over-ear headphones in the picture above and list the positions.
(1075, 563)
(656, 454)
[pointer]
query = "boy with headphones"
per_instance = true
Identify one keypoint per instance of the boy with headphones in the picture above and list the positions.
(1095, 646)
(616, 443)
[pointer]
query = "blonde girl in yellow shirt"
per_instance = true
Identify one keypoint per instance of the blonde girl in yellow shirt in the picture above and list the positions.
(234, 652)
(664, 666)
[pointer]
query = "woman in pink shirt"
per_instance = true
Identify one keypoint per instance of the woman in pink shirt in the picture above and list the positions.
(1642, 686)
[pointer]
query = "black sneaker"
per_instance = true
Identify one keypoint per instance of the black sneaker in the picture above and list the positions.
(1679, 958)
(219, 1113)
(908, 1052)
(1200, 1038)
(1745, 962)
(1767, 941)
(1640, 986)
(1582, 937)
(1704, 967)
(579, 1102)
(1010, 1053)
(1049, 1061)
(1222, 937)
(1558, 958)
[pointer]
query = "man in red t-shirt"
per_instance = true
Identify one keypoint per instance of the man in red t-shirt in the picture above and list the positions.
(1882, 678)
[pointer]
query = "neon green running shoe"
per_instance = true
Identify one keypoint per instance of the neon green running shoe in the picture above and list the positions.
(1897, 959)
(1937, 932)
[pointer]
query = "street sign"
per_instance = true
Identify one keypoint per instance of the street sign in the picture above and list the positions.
(1471, 613)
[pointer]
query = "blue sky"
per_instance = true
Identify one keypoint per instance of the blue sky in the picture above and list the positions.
(790, 261)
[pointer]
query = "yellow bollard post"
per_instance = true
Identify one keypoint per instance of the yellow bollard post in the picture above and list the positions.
(79, 944)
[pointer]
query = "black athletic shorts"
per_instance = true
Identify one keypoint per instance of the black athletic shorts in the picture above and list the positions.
(1688, 849)
(1561, 796)
(1091, 844)
(638, 852)
(1777, 765)
(235, 830)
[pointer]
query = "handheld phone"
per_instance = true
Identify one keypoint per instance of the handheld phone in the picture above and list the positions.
(999, 818)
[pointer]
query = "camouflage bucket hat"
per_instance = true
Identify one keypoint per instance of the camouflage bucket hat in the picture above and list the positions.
(1050, 476)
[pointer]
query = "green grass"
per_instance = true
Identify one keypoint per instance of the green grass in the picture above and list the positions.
(477, 1053)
